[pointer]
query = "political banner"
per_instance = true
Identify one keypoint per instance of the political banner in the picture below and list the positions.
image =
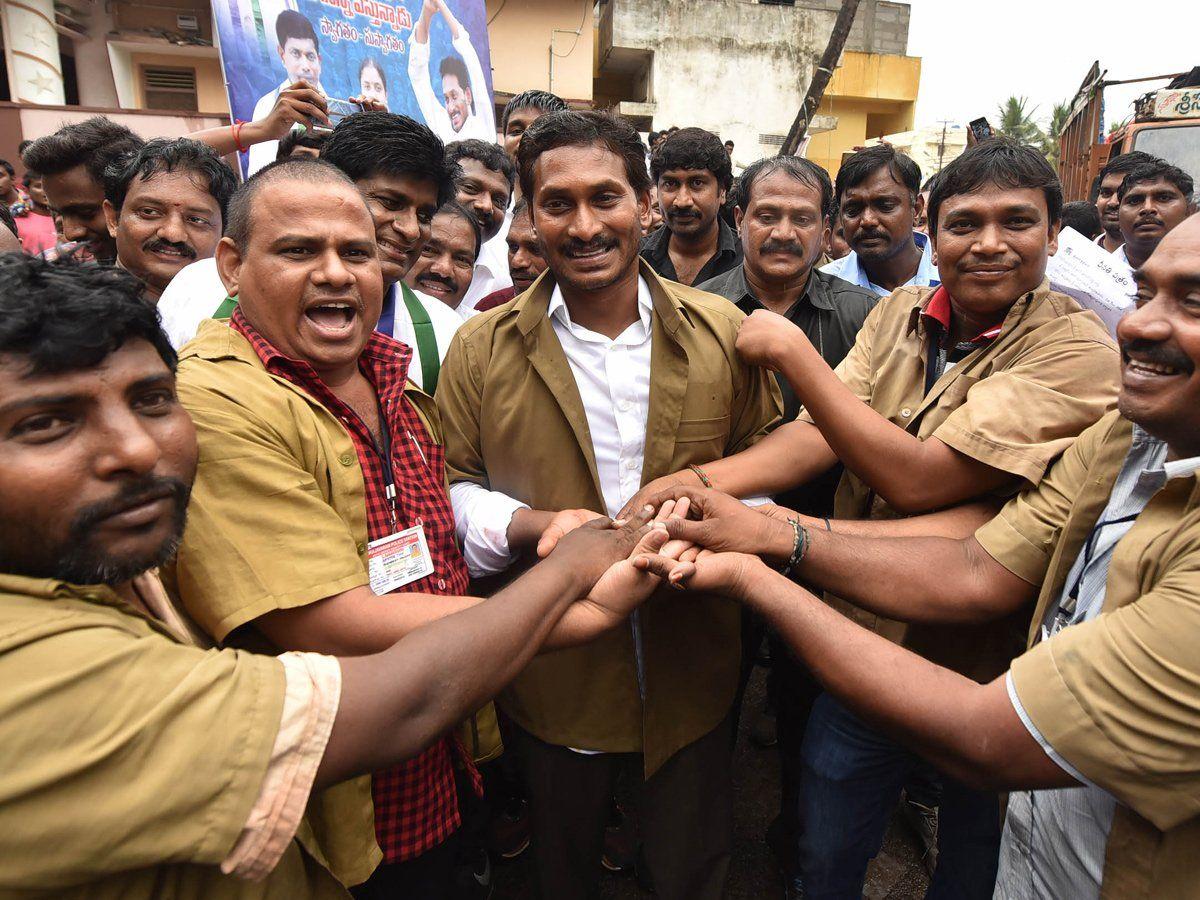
(427, 59)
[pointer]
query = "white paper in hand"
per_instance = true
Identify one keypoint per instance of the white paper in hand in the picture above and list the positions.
(1100, 281)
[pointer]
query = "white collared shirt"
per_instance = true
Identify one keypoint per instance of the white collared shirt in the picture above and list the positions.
(481, 123)
(613, 378)
(850, 269)
(491, 271)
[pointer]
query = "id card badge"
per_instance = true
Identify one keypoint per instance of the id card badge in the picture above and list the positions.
(398, 559)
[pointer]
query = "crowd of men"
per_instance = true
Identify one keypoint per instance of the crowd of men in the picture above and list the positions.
(405, 505)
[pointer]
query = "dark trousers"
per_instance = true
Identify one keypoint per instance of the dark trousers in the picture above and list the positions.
(684, 810)
(429, 876)
(850, 783)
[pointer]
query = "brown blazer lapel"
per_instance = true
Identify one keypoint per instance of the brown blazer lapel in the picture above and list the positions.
(668, 381)
(547, 358)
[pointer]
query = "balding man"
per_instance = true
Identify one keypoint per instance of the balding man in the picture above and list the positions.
(320, 496)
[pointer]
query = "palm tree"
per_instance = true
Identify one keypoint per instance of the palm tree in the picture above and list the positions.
(1050, 144)
(1017, 122)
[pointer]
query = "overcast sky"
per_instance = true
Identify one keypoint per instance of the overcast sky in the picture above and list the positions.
(974, 55)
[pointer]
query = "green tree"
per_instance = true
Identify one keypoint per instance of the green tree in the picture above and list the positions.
(1050, 141)
(1017, 122)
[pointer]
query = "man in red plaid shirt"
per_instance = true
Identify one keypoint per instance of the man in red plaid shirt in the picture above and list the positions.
(321, 493)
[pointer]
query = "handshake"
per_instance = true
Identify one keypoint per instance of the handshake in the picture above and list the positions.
(690, 538)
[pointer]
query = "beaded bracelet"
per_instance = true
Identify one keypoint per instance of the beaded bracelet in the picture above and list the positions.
(798, 549)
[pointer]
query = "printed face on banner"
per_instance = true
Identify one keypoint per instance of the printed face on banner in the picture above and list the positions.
(426, 59)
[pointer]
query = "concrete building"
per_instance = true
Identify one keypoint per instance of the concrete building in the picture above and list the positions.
(931, 148)
(741, 68)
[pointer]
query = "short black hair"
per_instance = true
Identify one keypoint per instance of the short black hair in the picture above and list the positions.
(454, 208)
(862, 164)
(8, 167)
(492, 156)
(1156, 170)
(453, 65)
(295, 169)
(1000, 161)
(583, 129)
(543, 100)
(693, 148)
(65, 315)
(94, 143)
(371, 143)
(520, 208)
(179, 155)
(803, 170)
(1082, 216)
(297, 137)
(374, 64)
(291, 25)
(1125, 163)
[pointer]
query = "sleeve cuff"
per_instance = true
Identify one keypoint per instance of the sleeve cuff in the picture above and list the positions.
(482, 518)
(1008, 546)
(1037, 735)
(310, 704)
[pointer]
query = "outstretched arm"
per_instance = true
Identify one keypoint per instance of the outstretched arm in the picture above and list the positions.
(970, 731)
(299, 103)
(396, 702)
(911, 474)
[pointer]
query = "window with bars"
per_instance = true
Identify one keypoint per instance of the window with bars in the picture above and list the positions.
(166, 87)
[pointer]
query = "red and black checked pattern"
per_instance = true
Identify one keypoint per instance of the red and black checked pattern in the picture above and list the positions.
(416, 804)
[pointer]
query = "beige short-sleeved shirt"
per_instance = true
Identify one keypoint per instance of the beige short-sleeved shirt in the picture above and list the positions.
(1014, 404)
(130, 762)
(1118, 697)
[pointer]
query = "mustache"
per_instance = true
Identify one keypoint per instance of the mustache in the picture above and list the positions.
(1157, 354)
(1149, 219)
(867, 235)
(683, 214)
(435, 277)
(181, 248)
(133, 493)
(773, 246)
(576, 247)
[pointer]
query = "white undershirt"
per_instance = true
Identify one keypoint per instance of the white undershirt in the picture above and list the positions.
(613, 378)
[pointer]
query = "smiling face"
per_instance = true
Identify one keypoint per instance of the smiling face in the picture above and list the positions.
(457, 99)
(690, 200)
(309, 279)
(371, 85)
(992, 246)
(402, 207)
(95, 467)
(447, 261)
(486, 193)
(587, 216)
(1107, 204)
(877, 217)
(525, 259)
(1147, 211)
(301, 60)
(167, 221)
(79, 199)
(783, 229)
(1160, 343)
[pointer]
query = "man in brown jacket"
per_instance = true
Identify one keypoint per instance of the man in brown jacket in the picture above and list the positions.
(968, 390)
(600, 377)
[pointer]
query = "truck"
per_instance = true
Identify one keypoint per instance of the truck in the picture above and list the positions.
(1166, 124)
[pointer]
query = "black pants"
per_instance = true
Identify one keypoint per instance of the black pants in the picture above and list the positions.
(429, 876)
(685, 813)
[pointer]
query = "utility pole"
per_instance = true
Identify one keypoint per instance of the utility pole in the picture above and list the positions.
(942, 144)
(820, 79)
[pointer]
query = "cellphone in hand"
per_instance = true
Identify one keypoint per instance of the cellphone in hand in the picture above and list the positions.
(981, 129)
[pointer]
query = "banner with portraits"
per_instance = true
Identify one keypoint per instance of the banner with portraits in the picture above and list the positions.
(427, 59)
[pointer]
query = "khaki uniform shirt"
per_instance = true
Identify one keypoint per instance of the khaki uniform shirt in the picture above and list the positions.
(1015, 404)
(129, 759)
(262, 436)
(1118, 697)
(515, 423)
